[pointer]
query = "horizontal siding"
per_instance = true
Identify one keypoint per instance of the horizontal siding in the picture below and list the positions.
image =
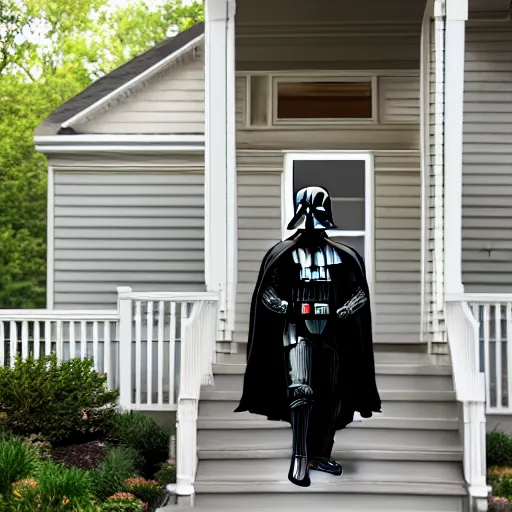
(397, 238)
(399, 100)
(487, 175)
(144, 230)
(171, 103)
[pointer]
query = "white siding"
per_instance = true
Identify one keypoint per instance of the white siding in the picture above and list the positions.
(138, 229)
(397, 237)
(399, 100)
(487, 178)
(173, 102)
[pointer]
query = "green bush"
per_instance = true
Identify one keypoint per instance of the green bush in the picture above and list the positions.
(500, 479)
(120, 464)
(122, 502)
(145, 435)
(166, 474)
(17, 461)
(499, 449)
(148, 491)
(64, 402)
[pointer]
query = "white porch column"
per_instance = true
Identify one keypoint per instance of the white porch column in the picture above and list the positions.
(456, 16)
(220, 159)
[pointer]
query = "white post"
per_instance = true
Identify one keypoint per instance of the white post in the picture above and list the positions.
(125, 347)
(220, 155)
(456, 16)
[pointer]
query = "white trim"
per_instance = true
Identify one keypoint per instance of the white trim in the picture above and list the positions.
(287, 201)
(50, 240)
(453, 124)
(127, 148)
(119, 139)
(145, 75)
(276, 79)
(425, 156)
(231, 174)
(311, 73)
(493, 298)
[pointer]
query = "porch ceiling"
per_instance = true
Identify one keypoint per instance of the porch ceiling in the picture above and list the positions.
(289, 12)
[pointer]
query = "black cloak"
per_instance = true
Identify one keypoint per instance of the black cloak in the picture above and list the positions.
(265, 381)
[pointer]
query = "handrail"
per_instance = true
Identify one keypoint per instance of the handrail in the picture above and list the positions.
(469, 385)
(480, 297)
(126, 293)
(66, 315)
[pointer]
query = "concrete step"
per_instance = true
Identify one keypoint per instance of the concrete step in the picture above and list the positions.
(344, 495)
(381, 368)
(385, 381)
(346, 440)
(376, 422)
(270, 470)
(408, 396)
(444, 410)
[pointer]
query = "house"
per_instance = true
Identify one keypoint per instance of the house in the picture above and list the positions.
(176, 172)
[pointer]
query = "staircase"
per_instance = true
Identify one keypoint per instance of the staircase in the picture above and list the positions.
(409, 458)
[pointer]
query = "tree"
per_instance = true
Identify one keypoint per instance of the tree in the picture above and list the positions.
(82, 41)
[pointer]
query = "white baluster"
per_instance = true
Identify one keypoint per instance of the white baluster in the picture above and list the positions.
(108, 355)
(172, 351)
(24, 339)
(2, 344)
(509, 354)
(72, 342)
(59, 343)
(47, 338)
(125, 348)
(37, 340)
(487, 355)
(149, 351)
(83, 340)
(497, 333)
(95, 345)
(161, 326)
(14, 341)
(138, 352)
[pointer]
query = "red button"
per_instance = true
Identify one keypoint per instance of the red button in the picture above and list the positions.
(306, 309)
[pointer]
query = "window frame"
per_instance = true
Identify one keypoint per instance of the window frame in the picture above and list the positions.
(371, 79)
(288, 206)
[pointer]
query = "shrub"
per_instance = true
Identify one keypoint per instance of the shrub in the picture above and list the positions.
(166, 474)
(499, 505)
(499, 449)
(148, 491)
(119, 465)
(17, 461)
(145, 435)
(61, 401)
(60, 486)
(123, 502)
(500, 479)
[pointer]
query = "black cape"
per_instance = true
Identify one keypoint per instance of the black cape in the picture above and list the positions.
(265, 381)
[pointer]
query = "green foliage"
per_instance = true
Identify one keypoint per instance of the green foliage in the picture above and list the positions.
(148, 491)
(500, 479)
(49, 52)
(122, 502)
(17, 461)
(61, 488)
(119, 465)
(145, 435)
(166, 474)
(63, 402)
(499, 449)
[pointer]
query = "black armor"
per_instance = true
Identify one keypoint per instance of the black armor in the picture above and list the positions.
(316, 289)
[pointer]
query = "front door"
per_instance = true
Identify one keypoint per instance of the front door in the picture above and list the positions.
(348, 177)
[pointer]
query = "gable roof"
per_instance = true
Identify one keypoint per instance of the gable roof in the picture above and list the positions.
(117, 79)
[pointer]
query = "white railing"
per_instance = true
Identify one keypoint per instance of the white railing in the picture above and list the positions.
(68, 334)
(469, 382)
(138, 345)
(494, 315)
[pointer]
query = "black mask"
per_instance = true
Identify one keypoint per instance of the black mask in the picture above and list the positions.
(312, 210)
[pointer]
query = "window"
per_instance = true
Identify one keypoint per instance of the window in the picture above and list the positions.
(324, 100)
(348, 177)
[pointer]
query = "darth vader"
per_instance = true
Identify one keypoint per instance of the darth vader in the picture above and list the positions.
(310, 355)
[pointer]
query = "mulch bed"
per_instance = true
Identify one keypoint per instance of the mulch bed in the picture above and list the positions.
(82, 456)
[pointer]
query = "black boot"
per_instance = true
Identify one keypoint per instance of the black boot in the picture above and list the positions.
(299, 472)
(324, 463)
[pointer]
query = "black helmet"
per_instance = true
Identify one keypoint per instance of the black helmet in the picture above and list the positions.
(312, 210)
